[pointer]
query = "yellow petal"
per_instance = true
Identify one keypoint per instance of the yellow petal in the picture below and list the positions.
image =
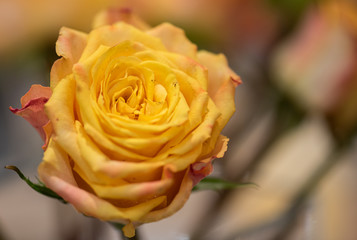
(60, 111)
(117, 33)
(55, 162)
(176, 204)
(191, 67)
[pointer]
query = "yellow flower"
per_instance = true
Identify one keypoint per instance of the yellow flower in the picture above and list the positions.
(136, 114)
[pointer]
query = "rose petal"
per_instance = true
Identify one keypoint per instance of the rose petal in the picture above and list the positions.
(36, 91)
(117, 33)
(222, 82)
(48, 129)
(203, 168)
(174, 39)
(177, 203)
(33, 108)
(190, 67)
(70, 45)
(59, 110)
(218, 71)
(55, 171)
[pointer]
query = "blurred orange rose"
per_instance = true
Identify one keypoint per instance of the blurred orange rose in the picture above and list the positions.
(136, 116)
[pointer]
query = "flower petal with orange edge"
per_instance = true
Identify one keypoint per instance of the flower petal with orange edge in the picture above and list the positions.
(174, 39)
(179, 200)
(33, 108)
(70, 45)
(203, 168)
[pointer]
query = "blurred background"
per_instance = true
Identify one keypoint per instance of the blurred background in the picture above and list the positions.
(294, 132)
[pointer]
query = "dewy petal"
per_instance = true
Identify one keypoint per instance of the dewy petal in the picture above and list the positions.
(33, 108)
(174, 39)
(70, 45)
(113, 15)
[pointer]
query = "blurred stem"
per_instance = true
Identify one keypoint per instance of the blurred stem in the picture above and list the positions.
(342, 145)
(288, 218)
(288, 115)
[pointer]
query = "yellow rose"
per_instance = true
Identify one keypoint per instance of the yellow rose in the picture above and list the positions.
(136, 116)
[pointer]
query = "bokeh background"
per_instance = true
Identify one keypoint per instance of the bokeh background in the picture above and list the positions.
(294, 132)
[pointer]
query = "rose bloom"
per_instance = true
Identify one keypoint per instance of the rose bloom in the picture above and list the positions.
(132, 118)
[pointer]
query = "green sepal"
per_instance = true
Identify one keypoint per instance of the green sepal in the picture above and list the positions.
(217, 184)
(39, 187)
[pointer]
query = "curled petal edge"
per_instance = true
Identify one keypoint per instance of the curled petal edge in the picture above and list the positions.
(33, 110)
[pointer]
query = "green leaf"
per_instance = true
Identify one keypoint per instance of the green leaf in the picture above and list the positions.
(39, 187)
(217, 184)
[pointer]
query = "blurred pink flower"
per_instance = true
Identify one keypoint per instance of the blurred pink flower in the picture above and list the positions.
(317, 65)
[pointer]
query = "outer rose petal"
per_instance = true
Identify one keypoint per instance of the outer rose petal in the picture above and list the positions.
(70, 45)
(222, 82)
(55, 171)
(114, 15)
(33, 110)
(176, 204)
(203, 168)
(111, 35)
(174, 39)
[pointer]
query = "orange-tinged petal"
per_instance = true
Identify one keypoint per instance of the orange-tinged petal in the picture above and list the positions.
(203, 168)
(222, 82)
(174, 39)
(179, 200)
(36, 91)
(48, 129)
(33, 108)
(218, 71)
(70, 45)
(55, 171)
